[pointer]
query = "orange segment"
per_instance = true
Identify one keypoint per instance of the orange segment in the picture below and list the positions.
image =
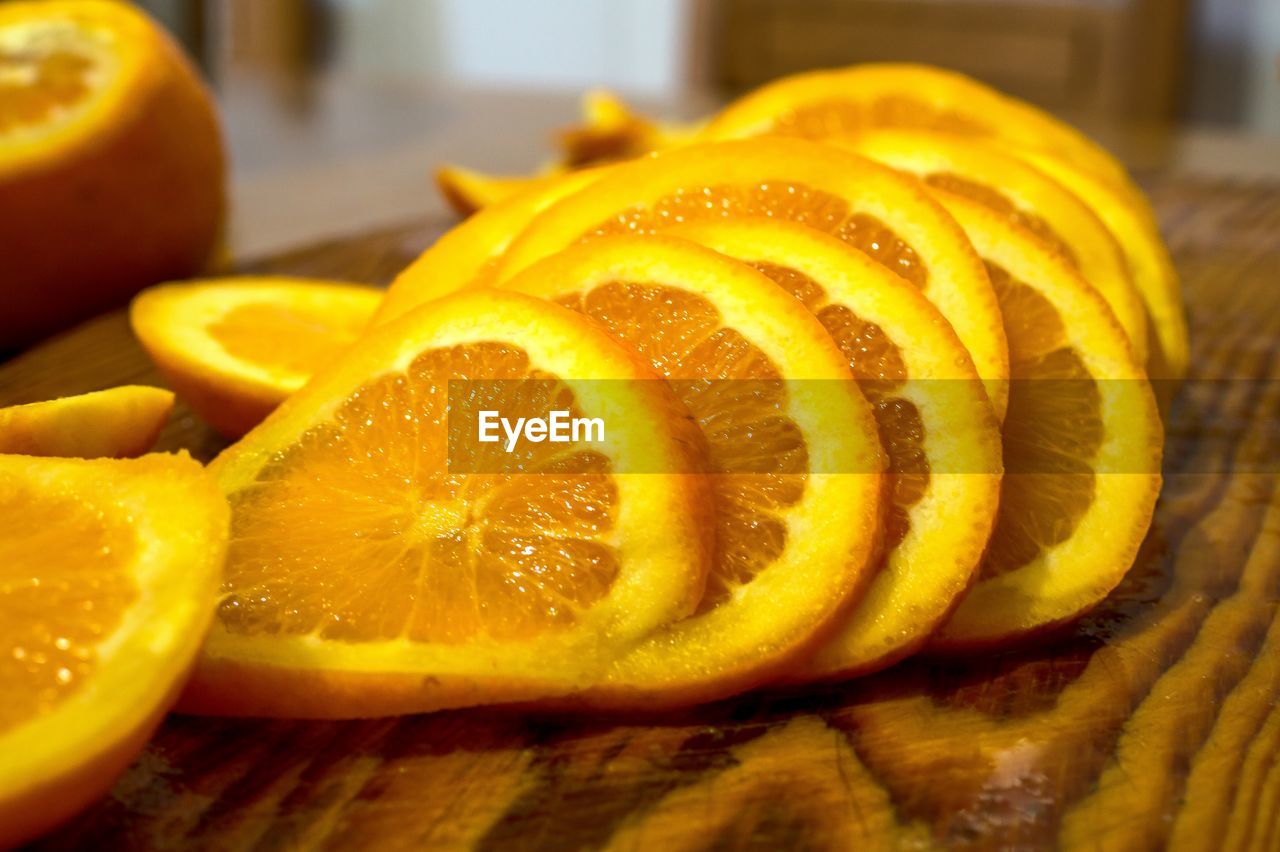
(823, 104)
(465, 256)
(468, 190)
(866, 205)
(1082, 445)
(116, 423)
(1026, 197)
(107, 577)
(792, 448)
(234, 348)
(384, 561)
(934, 419)
(109, 144)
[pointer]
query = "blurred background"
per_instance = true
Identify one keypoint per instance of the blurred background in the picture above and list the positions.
(377, 87)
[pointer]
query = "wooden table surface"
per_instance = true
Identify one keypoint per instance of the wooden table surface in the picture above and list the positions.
(1153, 723)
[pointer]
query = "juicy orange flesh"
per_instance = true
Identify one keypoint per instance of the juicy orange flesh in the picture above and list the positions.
(1053, 429)
(290, 339)
(757, 456)
(45, 73)
(997, 202)
(780, 199)
(64, 588)
(877, 364)
(359, 531)
(825, 119)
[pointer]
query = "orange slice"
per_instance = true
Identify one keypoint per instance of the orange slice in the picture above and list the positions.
(935, 422)
(465, 256)
(234, 348)
(1026, 196)
(1153, 271)
(382, 562)
(1082, 445)
(867, 205)
(118, 423)
(107, 576)
(793, 448)
(111, 166)
(822, 104)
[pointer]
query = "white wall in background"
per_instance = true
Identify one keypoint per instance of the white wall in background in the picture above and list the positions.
(635, 45)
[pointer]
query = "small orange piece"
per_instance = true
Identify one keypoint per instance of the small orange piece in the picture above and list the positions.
(234, 348)
(873, 208)
(381, 562)
(107, 577)
(468, 190)
(111, 165)
(794, 455)
(1082, 445)
(118, 423)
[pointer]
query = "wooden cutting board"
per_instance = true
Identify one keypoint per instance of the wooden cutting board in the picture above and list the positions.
(1153, 723)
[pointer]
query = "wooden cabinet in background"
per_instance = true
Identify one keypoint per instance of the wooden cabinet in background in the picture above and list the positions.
(1083, 57)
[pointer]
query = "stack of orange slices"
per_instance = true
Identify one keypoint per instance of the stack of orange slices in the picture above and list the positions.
(857, 369)
(870, 374)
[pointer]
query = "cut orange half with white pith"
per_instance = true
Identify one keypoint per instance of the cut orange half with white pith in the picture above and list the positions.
(867, 205)
(795, 459)
(235, 348)
(107, 577)
(1082, 445)
(822, 104)
(1153, 271)
(379, 565)
(117, 423)
(1027, 197)
(465, 256)
(935, 422)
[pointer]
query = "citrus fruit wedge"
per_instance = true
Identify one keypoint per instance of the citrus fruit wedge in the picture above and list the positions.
(111, 166)
(234, 348)
(466, 254)
(611, 131)
(467, 190)
(1153, 271)
(867, 205)
(384, 560)
(117, 423)
(794, 454)
(936, 425)
(1082, 445)
(1026, 196)
(108, 571)
(822, 104)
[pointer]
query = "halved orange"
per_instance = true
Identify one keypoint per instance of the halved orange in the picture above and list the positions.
(793, 448)
(107, 577)
(234, 348)
(465, 256)
(111, 165)
(120, 422)
(867, 205)
(1133, 223)
(383, 560)
(821, 104)
(1082, 445)
(935, 422)
(1026, 196)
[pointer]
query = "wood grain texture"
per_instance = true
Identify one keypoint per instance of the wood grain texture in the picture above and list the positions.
(1153, 723)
